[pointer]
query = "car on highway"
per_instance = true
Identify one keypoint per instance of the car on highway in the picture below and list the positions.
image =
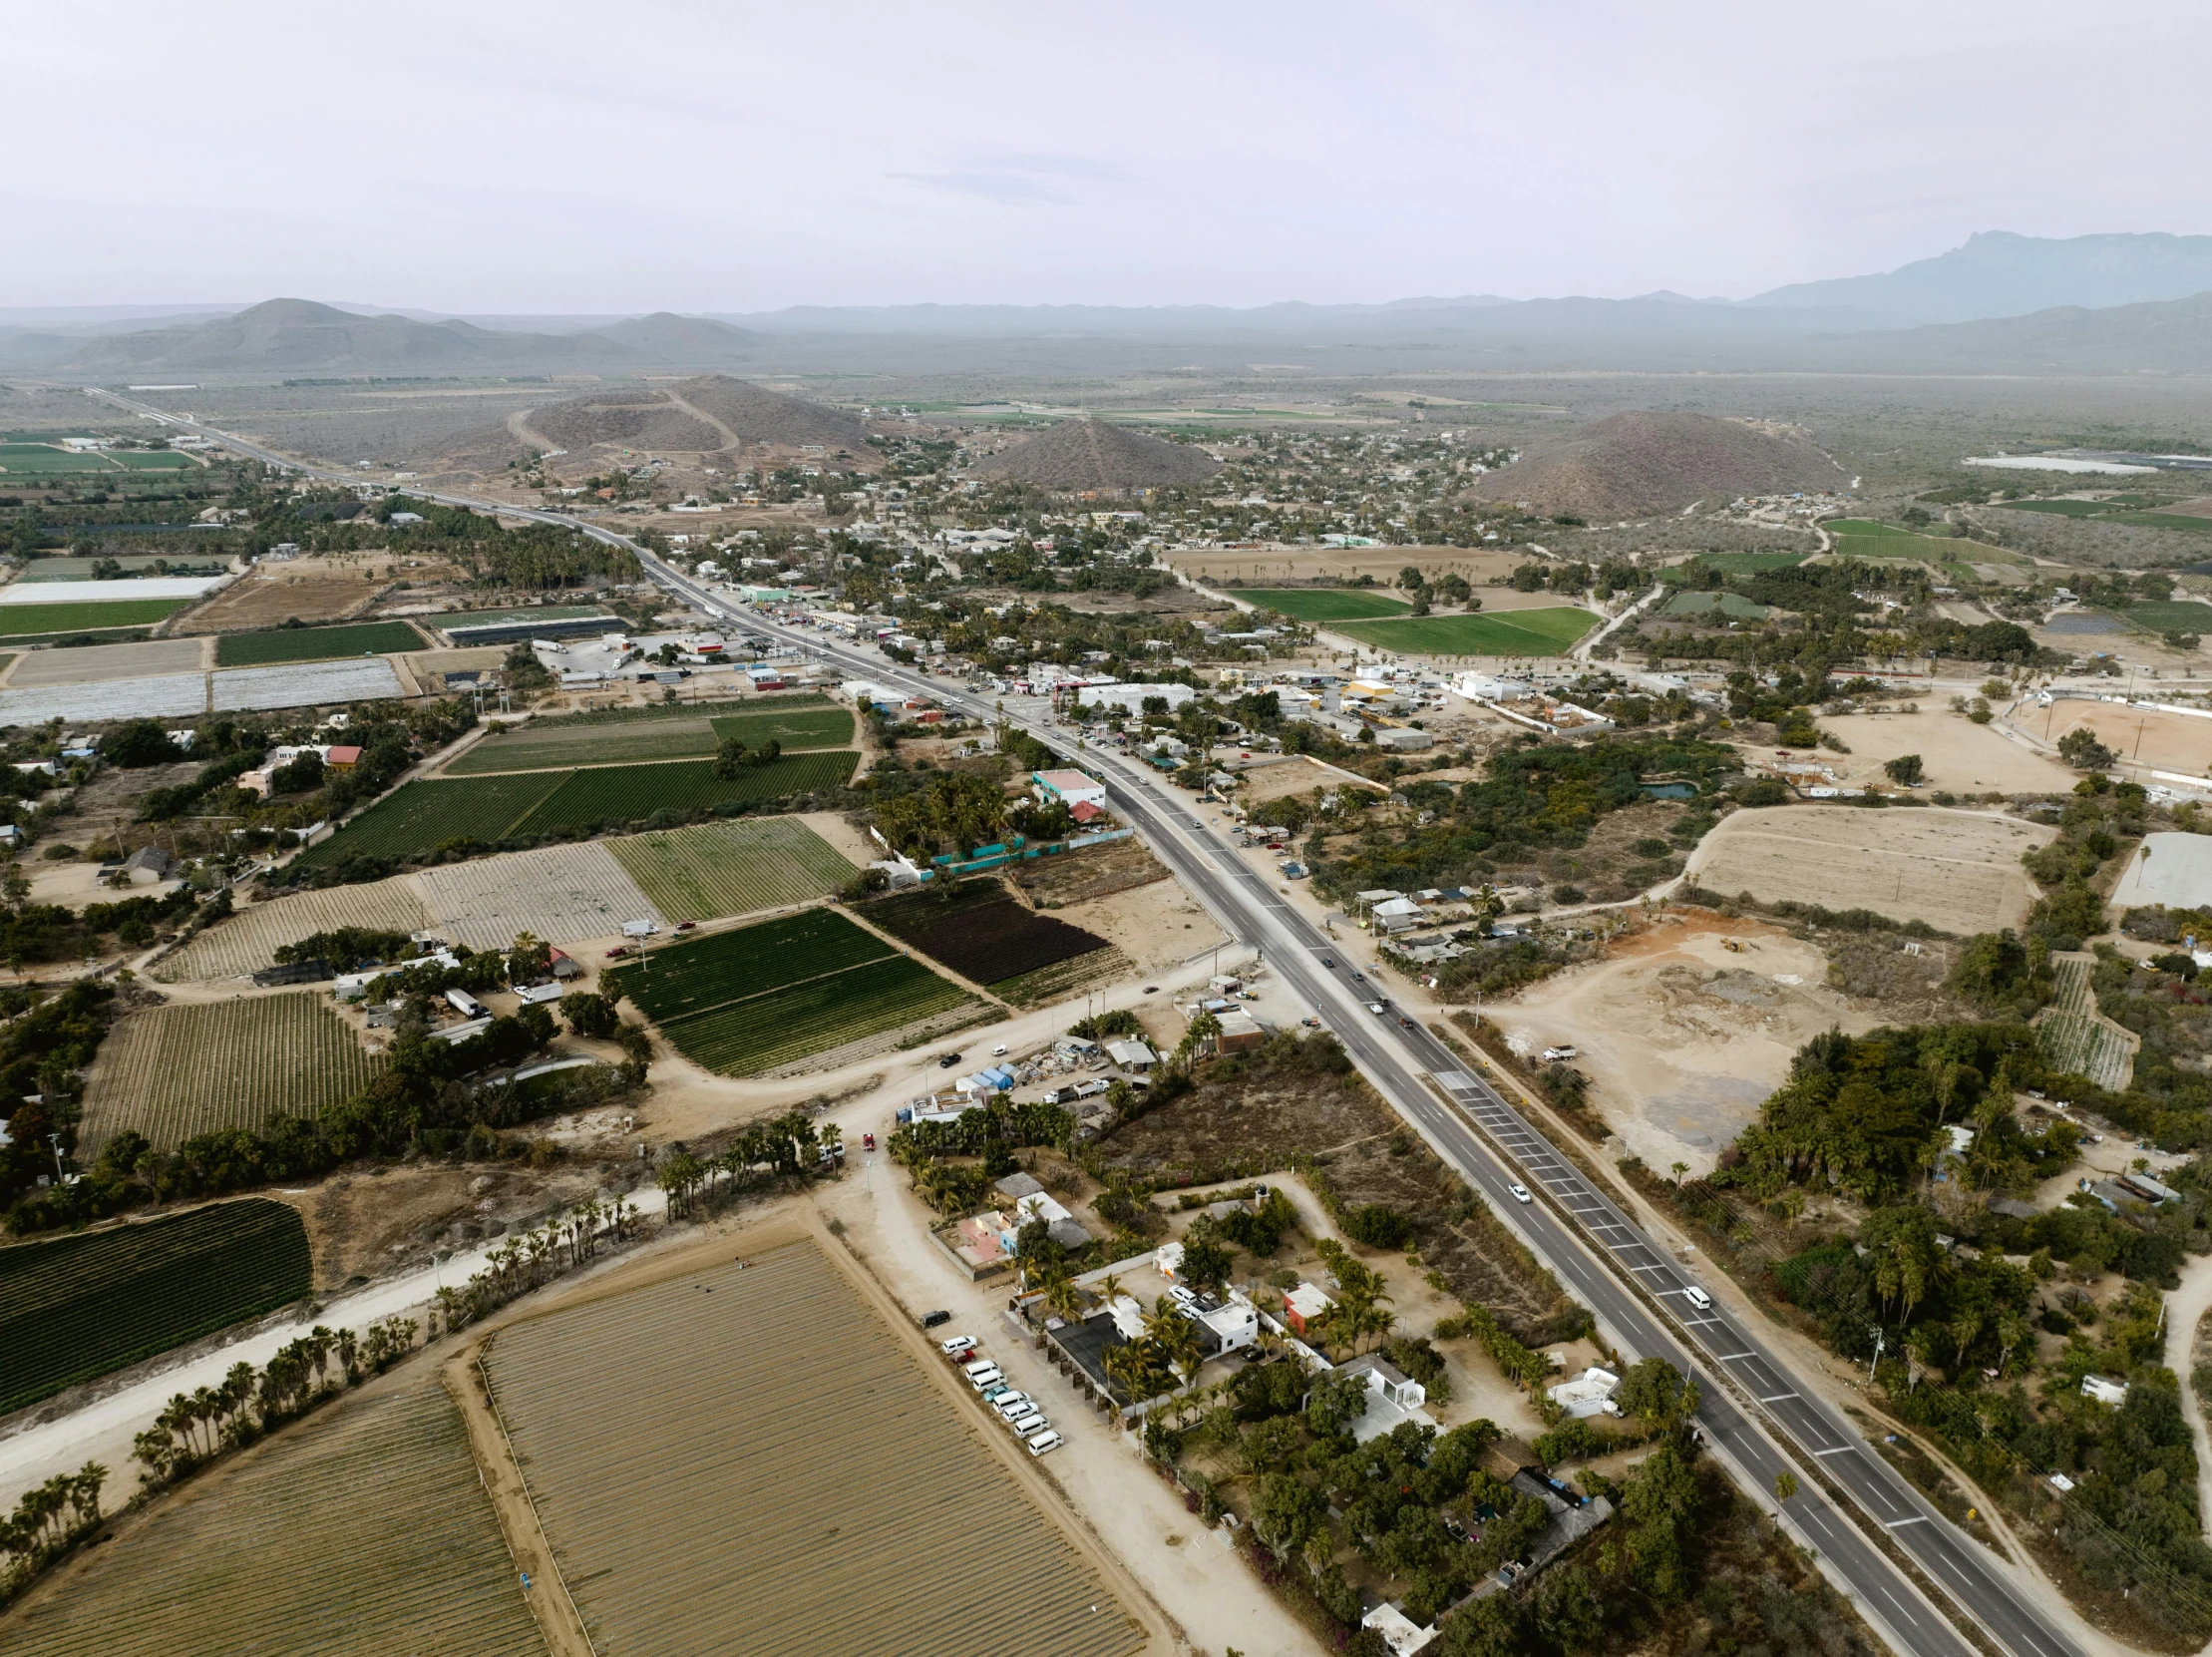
(1358, 975)
(1407, 1022)
(1377, 1008)
(1520, 1193)
(1698, 1298)
(1195, 823)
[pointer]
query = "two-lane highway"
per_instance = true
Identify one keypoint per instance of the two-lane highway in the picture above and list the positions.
(1632, 1284)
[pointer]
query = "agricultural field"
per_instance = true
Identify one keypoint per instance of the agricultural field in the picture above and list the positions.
(2172, 616)
(249, 940)
(1960, 871)
(73, 1309)
(171, 1072)
(609, 795)
(166, 695)
(1545, 631)
(775, 1520)
(419, 817)
(280, 644)
(739, 1003)
(2115, 511)
(1723, 606)
(563, 894)
(107, 664)
(799, 723)
(1324, 603)
(19, 460)
(981, 933)
(28, 620)
(1749, 564)
(422, 816)
(715, 868)
(362, 1532)
(306, 685)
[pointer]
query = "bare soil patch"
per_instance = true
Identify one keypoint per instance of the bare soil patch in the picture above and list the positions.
(2139, 735)
(1156, 925)
(1959, 754)
(1080, 877)
(1263, 565)
(1959, 871)
(313, 590)
(99, 663)
(371, 1224)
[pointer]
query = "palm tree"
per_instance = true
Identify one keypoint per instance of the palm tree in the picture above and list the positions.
(1679, 1169)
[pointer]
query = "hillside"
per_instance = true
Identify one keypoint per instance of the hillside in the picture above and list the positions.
(1088, 454)
(2171, 336)
(711, 414)
(678, 341)
(1640, 463)
(1997, 273)
(300, 336)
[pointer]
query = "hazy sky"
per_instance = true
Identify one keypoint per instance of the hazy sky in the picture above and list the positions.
(487, 156)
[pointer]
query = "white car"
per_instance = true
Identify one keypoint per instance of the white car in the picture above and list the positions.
(1698, 1298)
(1555, 1055)
(957, 1345)
(1011, 1405)
(1520, 1193)
(1030, 1425)
(1045, 1443)
(999, 1051)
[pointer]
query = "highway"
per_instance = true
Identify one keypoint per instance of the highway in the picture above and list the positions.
(1637, 1290)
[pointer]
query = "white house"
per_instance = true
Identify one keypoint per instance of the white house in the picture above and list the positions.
(1069, 788)
(2105, 1388)
(1131, 698)
(1399, 1632)
(1589, 1394)
(1237, 1323)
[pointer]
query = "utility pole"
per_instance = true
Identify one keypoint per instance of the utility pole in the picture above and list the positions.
(1877, 1364)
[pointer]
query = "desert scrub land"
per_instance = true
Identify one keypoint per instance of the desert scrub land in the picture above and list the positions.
(858, 1513)
(1957, 871)
(249, 940)
(75, 1308)
(171, 1072)
(359, 1533)
(717, 869)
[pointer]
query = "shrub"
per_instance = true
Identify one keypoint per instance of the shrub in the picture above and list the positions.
(1377, 1226)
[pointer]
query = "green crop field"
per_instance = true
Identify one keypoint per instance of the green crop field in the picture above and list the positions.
(746, 1001)
(171, 1072)
(1323, 604)
(680, 733)
(714, 869)
(85, 615)
(279, 645)
(1749, 564)
(2126, 511)
(29, 458)
(152, 460)
(422, 816)
(1545, 631)
(250, 1559)
(75, 1308)
(611, 795)
(2172, 616)
(1727, 606)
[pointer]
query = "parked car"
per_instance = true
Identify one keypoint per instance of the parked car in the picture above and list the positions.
(957, 1345)
(619, 951)
(984, 1378)
(932, 1320)
(686, 925)
(1520, 1193)
(1012, 1404)
(1045, 1443)
(1310, 1024)
(1026, 1426)
(868, 1141)
(1152, 988)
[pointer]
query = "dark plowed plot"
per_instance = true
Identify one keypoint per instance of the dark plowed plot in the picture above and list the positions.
(1279, 1103)
(812, 1489)
(75, 1308)
(981, 933)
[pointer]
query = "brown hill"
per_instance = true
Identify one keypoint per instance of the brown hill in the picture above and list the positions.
(1641, 463)
(711, 414)
(1088, 454)
(299, 335)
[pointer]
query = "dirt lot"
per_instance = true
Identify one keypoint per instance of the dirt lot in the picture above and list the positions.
(320, 589)
(100, 663)
(1683, 1038)
(1957, 870)
(2139, 735)
(1266, 780)
(372, 1224)
(1156, 925)
(1959, 754)
(1100, 872)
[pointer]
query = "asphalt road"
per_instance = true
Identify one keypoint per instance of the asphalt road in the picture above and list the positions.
(1587, 1241)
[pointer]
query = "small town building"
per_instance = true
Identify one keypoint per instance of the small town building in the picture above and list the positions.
(1068, 787)
(1304, 1306)
(1589, 1394)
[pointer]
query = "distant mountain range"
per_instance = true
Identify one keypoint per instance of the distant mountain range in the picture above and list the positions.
(301, 336)
(2000, 303)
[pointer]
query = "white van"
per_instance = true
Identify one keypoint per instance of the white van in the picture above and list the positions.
(969, 1366)
(984, 1376)
(1045, 1443)
(1698, 1298)
(1012, 1404)
(1028, 1426)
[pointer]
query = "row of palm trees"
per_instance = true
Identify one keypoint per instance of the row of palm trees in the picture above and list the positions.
(786, 1147)
(46, 1523)
(534, 1259)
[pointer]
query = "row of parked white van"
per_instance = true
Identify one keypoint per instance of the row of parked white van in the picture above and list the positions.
(1017, 1410)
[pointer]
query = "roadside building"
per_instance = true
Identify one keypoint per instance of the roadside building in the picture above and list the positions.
(1068, 787)
(1304, 1306)
(1589, 1394)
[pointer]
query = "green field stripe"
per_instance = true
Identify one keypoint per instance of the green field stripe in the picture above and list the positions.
(779, 988)
(511, 829)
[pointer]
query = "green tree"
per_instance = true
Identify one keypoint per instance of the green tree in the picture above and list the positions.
(1904, 769)
(1660, 1505)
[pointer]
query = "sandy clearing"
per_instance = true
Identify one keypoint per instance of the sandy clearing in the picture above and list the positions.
(2139, 735)
(2171, 869)
(1271, 779)
(1957, 870)
(1681, 1037)
(1959, 754)
(1157, 924)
